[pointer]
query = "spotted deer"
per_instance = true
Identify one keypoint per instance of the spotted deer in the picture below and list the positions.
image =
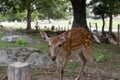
(77, 41)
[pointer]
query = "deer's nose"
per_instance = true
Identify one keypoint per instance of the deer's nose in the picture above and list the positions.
(53, 58)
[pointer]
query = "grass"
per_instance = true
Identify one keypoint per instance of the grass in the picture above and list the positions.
(107, 55)
(111, 54)
(21, 43)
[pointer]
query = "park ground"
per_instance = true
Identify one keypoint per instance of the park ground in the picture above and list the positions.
(107, 56)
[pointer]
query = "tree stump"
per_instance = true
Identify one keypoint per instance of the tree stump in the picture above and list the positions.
(19, 71)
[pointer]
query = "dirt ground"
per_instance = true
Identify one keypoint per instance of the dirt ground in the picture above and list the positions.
(89, 74)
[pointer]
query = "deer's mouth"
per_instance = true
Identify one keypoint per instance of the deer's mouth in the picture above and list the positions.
(53, 58)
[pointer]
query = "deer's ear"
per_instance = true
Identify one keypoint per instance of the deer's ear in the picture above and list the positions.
(44, 36)
(65, 36)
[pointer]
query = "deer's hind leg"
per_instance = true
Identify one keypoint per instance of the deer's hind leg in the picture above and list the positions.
(83, 62)
(92, 60)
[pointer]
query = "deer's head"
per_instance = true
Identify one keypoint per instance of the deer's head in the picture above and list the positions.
(55, 43)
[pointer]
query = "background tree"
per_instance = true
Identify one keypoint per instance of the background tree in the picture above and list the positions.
(99, 9)
(56, 10)
(18, 6)
(113, 9)
(109, 7)
(37, 9)
(31, 6)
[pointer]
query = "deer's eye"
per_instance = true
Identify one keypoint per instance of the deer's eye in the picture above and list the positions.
(59, 45)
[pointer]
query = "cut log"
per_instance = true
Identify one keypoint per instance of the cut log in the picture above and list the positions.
(19, 71)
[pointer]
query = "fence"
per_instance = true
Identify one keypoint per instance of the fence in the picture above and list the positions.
(96, 29)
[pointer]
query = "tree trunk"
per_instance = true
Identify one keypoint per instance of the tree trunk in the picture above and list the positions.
(19, 71)
(110, 24)
(79, 13)
(28, 20)
(103, 26)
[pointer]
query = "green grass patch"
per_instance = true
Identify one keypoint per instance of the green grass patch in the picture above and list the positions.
(21, 41)
(100, 58)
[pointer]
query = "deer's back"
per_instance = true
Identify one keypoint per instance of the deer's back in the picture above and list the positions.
(78, 37)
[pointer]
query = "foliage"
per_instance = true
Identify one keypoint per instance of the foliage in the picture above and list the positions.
(110, 7)
(100, 58)
(21, 42)
(47, 8)
(41, 9)
(2, 18)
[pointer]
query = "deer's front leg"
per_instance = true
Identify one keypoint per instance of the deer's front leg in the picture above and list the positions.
(59, 69)
(61, 66)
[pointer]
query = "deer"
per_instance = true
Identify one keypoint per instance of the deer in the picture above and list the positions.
(77, 41)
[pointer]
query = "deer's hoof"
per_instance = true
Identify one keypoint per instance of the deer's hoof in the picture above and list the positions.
(77, 78)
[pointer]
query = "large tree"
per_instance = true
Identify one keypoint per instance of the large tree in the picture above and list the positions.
(79, 13)
(22, 5)
(29, 6)
(113, 9)
(99, 9)
(57, 11)
(49, 8)
(109, 7)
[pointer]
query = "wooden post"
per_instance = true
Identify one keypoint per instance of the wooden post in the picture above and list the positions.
(90, 26)
(96, 29)
(56, 28)
(19, 71)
